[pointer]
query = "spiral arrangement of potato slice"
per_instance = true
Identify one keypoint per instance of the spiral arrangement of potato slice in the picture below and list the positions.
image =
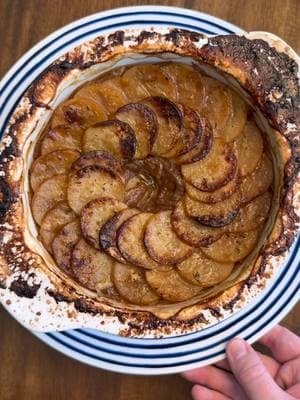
(150, 184)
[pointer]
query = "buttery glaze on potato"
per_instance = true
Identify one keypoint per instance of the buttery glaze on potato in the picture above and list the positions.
(151, 184)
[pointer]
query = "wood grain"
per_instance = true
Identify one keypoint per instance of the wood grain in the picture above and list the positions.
(29, 369)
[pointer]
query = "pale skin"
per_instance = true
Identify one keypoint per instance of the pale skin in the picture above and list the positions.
(250, 375)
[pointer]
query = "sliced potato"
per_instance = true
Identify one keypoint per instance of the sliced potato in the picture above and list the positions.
(170, 123)
(108, 233)
(50, 192)
(162, 244)
(61, 138)
(79, 111)
(91, 267)
(113, 136)
(92, 182)
(55, 163)
(90, 91)
(190, 134)
(156, 81)
(191, 90)
(232, 247)
(170, 286)
(131, 284)
(215, 214)
(237, 119)
(130, 239)
(203, 271)
(248, 148)
(135, 91)
(218, 195)
(63, 244)
(144, 123)
(191, 231)
(95, 214)
(252, 215)
(214, 171)
(201, 149)
(259, 181)
(113, 95)
(54, 221)
(98, 157)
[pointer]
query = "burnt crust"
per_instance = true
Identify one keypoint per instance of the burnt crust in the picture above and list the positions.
(267, 74)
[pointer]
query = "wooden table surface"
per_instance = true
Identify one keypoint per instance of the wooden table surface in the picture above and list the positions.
(30, 370)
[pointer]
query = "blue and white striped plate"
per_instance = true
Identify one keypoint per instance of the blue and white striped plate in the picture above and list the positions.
(172, 354)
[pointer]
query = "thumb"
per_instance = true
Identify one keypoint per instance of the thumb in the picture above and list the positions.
(251, 373)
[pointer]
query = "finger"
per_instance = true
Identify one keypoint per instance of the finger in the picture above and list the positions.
(250, 371)
(294, 391)
(202, 393)
(289, 374)
(284, 344)
(216, 379)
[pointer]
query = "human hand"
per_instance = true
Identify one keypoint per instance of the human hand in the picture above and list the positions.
(249, 375)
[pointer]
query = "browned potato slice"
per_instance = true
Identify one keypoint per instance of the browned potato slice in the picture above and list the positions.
(162, 243)
(130, 239)
(144, 123)
(237, 119)
(92, 182)
(98, 157)
(54, 221)
(113, 95)
(51, 192)
(259, 181)
(55, 163)
(190, 134)
(191, 91)
(95, 214)
(92, 268)
(135, 91)
(108, 233)
(252, 215)
(218, 195)
(170, 122)
(232, 247)
(63, 244)
(202, 148)
(191, 231)
(170, 286)
(201, 270)
(61, 138)
(78, 111)
(131, 284)
(113, 136)
(156, 81)
(215, 214)
(248, 148)
(90, 91)
(214, 171)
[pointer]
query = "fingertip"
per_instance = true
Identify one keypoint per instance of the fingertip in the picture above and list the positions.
(237, 348)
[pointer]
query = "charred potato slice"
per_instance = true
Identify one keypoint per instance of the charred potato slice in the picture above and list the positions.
(98, 157)
(248, 148)
(92, 182)
(130, 282)
(162, 244)
(191, 231)
(252, 215)
(232, 247)
(216, 170)
(170, 286)
(203, 271)
(259, 181)
(63, 244)
(54, 221)
(216, 214)
(108, 233)
(61, 138)
(91, 267)
(144, 123)
(170, 122)
(130, 239)
(50, 192)
(113, 136)
(95, 214)
(55, 163)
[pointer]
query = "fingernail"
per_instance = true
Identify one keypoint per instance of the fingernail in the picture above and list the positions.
(237, 348)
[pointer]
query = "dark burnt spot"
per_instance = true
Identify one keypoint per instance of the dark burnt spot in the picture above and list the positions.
(215, 312)
(2, 284)
(218, 221)
(84, 306)
(145, 35)
(23, 289)
(116, 38)
(7, 198)
(58, 297)
(176, 36)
